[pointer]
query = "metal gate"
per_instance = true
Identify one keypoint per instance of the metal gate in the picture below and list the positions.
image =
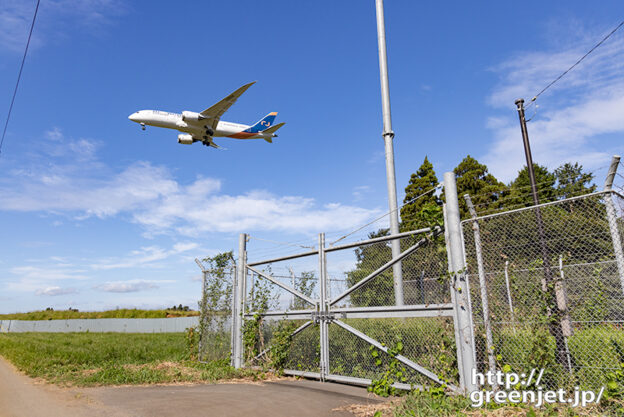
(339, 306)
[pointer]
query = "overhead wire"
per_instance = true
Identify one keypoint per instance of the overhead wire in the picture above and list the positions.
(19, 76)
(576, 63)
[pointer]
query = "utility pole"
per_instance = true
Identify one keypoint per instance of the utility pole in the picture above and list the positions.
(388, 136)
(556, 306)
(527, 149)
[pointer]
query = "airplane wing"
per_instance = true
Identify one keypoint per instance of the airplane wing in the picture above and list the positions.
(215, 112)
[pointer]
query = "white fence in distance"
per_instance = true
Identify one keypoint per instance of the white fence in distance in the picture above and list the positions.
(167, 325)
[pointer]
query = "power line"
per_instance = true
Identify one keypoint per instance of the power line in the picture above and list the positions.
(577, 62)
(19, 76)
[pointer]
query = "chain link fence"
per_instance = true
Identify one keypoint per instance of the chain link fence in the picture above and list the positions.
(215, 307)
(360, 297)
(546, 287)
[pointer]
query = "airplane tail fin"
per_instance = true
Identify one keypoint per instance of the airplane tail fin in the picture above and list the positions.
(271, 131)
(262, 124)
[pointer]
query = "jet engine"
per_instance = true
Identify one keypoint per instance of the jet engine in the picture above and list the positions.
(191, 116)
(185, 139)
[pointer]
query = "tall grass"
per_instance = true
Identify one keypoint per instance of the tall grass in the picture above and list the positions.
(110, 358)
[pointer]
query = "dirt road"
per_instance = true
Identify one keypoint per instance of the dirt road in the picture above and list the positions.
(21, 396)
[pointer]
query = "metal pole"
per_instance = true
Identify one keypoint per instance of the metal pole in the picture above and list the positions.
(388, 136)
(562, 300)
(483, 287)
(241, 273)
(292, 284)
(612, 218)
(233, 334)
(202, 313)
(511, 310)
(251, 291)
(554, 312)
(460, 288)
(527, 149)
(323, 309)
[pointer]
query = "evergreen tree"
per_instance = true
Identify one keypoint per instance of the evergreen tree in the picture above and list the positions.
(474, 179)
(572, 181)
(521, 195)
(420, 182)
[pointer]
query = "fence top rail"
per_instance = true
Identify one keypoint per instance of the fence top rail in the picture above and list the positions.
(341, 247)
(579, 197)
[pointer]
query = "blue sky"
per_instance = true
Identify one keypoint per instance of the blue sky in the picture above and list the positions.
(96, 214)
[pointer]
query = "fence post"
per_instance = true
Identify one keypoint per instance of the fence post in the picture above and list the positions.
(323, 309)
(202, 311)
(239, 297)
(562, 300)
(460, 289)
(511, 310)
(233, 316)
(612, 218)
(483, 287)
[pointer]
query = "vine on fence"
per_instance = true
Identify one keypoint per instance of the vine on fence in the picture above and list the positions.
(257, 331)
(393, 372)
(215, 307)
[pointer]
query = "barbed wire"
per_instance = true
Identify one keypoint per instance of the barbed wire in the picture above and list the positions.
(387, 214)
(528, 206)
(280, 243)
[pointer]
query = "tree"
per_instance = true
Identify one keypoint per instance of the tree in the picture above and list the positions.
(521, 196)
(420, 182)
(379, 291)
(474, 179)
(572, 181)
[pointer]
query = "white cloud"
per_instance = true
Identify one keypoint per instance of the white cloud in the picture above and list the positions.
(54, 134)
(150, 196)
(145, 256)
(134, 285)
(34, 278)
(359, 191)
(53, 272)
(53, 19)
(55, 290)
(586, 103)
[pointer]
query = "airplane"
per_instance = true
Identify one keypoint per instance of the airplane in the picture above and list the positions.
(202, 127)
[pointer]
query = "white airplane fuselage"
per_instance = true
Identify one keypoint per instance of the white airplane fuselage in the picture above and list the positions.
(202, 127)
(195, 127)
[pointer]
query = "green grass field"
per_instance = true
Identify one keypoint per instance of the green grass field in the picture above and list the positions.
(123, 313)
(88, 359)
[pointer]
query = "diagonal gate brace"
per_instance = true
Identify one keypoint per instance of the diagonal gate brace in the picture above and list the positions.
(400, 358)
(385, 266)
(284, 286)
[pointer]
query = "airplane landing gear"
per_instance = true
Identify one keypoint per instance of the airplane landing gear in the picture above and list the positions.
(142, 126)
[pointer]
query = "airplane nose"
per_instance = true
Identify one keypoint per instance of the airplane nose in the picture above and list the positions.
(133, 117)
